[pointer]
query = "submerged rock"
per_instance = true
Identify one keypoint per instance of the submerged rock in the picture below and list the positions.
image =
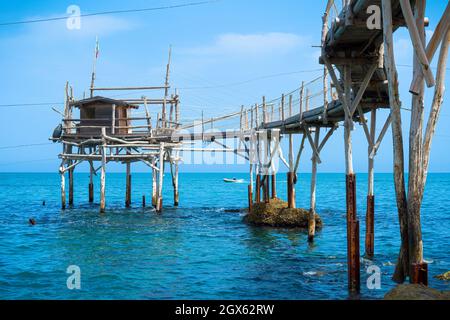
(416, 292)
(277, 214)
(445, 276)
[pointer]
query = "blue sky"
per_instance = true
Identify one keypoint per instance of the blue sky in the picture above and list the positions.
(224, 42)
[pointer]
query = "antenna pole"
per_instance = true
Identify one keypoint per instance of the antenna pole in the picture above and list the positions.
(94, 64)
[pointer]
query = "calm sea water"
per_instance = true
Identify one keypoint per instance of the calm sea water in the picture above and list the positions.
(200, 250)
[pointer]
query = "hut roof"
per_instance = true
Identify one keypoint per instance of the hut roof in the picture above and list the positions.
(81, 103)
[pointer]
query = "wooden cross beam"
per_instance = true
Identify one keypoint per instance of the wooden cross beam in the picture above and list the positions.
(337, 85)
(313, 145)
(417, 42)
(362, 89)
(432, 46)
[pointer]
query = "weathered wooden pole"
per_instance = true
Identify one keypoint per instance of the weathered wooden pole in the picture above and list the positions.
(265, 178)
(370, 209)
(63, 187)
(258, 187)
(91, 183)
(250, 188)
(143, 201)
(176, 195)
(71, 186)
(69, 150)
(402, 267)
(159, 201)
(154, 183)
(103, 173)
(312, 210)
(291, 175)
(274, 185)
(352, 223)
(128, 186)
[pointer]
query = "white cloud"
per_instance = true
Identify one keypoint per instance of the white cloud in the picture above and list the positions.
(57, 30)
(251, 44)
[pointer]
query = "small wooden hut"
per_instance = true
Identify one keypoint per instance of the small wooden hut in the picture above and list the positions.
(98, 112)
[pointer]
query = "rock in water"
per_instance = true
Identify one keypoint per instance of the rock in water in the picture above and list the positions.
(416, 292)
(444, 276)
(277, 214)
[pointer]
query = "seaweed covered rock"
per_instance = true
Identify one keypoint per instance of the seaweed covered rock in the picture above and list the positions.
(445, 276)
(277, 214)
(416, 292)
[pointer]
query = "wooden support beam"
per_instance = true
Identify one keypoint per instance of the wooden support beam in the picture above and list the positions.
(377, 144)
(291, 189)
(63, 187)
(416, 40)
(370, 209)
(419, 273)
(159, 201)
(154, 183)
(258, 188)
(176, 195)
(71, 176)
(402, 268)
(299, 154)
(337, 85)
(128, 185)
(103, 173)
(311, 142)
(362, 89)
(312, 210)
(432, 46)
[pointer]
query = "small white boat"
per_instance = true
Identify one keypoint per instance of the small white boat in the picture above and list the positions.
(234, 180)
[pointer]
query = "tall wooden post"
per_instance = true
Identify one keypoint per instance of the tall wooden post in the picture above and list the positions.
(69, 150)
(128, 183)
(176, 198)
(63, 187)
(258, 188)
(91, 184)
(154, 183)
(159, 201)
(312, 210)
(71, 187)
(352, 223)
(370, 210)
(265, 178)
(250, 189)
(274, 185)
(402, 268)
(103, 173)
(291, 175)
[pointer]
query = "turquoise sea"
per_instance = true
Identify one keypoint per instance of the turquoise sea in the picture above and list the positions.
(201, 250)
